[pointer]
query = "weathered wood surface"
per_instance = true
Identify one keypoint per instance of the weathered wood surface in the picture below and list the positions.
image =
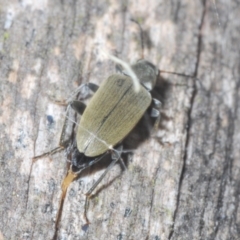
(183, 183)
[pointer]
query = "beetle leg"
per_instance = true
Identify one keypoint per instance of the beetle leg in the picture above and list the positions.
(94, 87)
(83, 91)
(120, 149)
(155, 113)
(51, 152)
(123, 164)
(77, 168)
(78, 106)
(156, 103)
(63, 142)
(116, 155)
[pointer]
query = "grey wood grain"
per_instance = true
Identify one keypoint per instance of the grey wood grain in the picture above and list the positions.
(183, 181)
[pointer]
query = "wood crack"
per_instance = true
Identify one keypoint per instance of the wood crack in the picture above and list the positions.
(189, 113)
(227, 165)
(34, 120)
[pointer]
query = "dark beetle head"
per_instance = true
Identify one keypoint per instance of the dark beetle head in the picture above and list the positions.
(147, 73)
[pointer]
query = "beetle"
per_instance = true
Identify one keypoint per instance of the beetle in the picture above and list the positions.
(113, 111)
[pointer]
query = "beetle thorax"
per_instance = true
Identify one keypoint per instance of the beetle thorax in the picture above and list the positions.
(147, 73)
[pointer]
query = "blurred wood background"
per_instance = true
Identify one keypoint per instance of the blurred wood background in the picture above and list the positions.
(183, 182)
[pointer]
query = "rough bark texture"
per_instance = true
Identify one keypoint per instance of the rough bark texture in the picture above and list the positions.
(184, 181)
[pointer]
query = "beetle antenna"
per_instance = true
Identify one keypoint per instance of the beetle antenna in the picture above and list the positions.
(141, 36)
(127, 67)
(176, 73)
(73, 95)
(129, 151)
